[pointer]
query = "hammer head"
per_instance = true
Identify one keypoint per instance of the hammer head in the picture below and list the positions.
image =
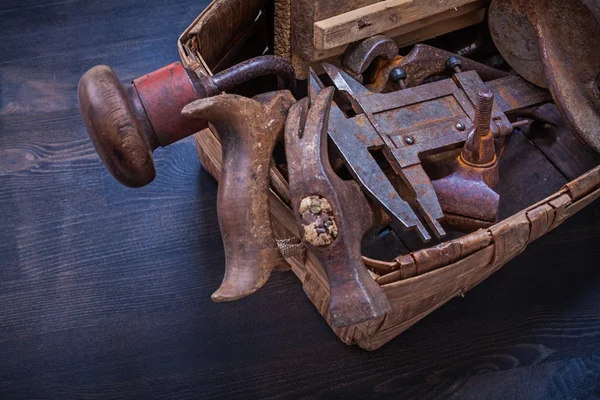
(332, 214)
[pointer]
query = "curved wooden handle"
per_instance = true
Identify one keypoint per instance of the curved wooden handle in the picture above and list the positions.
(249, 130)
(114, 128)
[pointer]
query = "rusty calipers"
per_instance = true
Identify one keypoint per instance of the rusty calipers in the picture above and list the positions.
(333, 215)
(430, 118)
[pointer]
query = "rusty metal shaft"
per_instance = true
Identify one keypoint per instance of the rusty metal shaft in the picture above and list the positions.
(248, 70)
(483, 111)
(479, 148)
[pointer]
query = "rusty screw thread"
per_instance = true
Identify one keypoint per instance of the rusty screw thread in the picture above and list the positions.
(483, 112)
(473, 151)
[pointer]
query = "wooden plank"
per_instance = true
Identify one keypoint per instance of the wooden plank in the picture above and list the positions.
(418, 31)
(438, 26)
(282, 28)
(326, 8)
(376, 18)
(304, 13)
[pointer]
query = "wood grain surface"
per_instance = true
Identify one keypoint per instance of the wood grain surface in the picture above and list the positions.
(105, 290)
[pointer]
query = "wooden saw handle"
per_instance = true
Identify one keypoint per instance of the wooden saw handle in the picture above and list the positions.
(248, 130)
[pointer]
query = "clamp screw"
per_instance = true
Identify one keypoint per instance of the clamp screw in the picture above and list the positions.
(409, 140)
(483, 112)
(460, 126)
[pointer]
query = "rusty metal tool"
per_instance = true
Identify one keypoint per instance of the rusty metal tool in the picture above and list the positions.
(359, 56)
(466, 195)
(333, 215)
(555, 44)
(424, 62)
(405, 124)
(127, 124)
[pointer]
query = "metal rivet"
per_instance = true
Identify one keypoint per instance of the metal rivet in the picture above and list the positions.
(409, 140)
(460, 126)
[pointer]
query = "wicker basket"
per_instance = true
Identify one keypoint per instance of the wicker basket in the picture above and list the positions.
(416, 283)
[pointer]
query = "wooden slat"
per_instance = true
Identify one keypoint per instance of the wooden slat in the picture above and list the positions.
(456, 18)
(376, 18)
(304, 13)
(439, 27)
(418, 31)
(326, 8)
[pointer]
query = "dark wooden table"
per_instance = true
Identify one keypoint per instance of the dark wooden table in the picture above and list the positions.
(104, 290)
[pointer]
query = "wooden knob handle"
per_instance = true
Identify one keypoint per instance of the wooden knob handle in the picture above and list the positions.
(120, 138)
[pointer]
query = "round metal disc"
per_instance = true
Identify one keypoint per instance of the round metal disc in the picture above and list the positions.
(556, 44)
(516, 38)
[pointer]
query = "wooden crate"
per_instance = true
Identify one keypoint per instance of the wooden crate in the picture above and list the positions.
(416, 283)
(307, 31)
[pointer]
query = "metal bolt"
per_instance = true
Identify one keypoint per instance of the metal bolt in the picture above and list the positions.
(460, 126)
(479, 146)
(483, 112)
(397, 74)
(454, 64)
(409, 140)
(521, 123)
